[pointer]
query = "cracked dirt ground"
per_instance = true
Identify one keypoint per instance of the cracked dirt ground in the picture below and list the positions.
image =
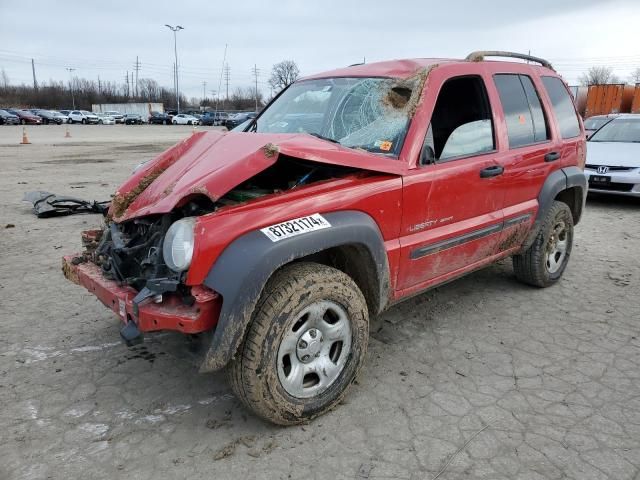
(484, 377)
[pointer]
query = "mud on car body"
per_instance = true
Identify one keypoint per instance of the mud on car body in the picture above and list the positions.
(352, 190)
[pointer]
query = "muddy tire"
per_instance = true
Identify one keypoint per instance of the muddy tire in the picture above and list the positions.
(305, 344)
(544, 262)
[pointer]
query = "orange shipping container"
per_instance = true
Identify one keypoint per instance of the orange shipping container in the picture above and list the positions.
(606, 99)
(635, 105)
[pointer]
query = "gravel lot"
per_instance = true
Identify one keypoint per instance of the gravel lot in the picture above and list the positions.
(481, 378)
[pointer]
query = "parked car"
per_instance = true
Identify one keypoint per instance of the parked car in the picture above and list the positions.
(105, 119)
(25, 116)
(613, 157)
(82, 116)
(65, 112)
(63, 117)
(7, 118)
(235, 120)
(48, 117)
(214, 118)
(159, 118)
(117, 116)
(278, 245)
(184, 119)
(133, 119)
(592, 124)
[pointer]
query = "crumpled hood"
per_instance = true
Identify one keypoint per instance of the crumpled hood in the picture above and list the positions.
(613, 154)
(212, 163)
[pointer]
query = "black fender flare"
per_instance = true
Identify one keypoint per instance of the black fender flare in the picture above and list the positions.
(556, 182)
(243, 268)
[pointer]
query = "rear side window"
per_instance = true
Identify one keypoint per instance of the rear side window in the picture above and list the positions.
(562, 107)
(523, 112)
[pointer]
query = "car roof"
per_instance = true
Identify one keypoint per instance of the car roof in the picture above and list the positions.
(627, 116)
(403, 68)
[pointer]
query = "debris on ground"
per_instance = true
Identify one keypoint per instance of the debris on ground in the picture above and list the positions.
(46, 204)
(9, 225)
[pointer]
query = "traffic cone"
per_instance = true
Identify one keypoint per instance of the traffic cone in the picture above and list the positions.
(67, 134)
(25, 139)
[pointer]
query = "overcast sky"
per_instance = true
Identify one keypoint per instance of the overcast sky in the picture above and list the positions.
(103, 39)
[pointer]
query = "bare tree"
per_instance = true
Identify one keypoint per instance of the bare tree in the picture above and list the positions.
(598, 76)
(635, 76)
(283, 74)
(5, 78)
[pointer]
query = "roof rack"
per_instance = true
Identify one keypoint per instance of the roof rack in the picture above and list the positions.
(480, 54)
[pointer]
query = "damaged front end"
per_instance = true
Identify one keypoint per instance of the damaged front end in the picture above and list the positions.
(125, 265)
(137, 264)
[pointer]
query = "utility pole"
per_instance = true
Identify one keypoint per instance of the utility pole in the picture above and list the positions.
(73, 100)
(35, 82)
(99, 86)
(255, 72)
(227, 76)
(175, 51)
(204, 91)
(174, 77)
(137, 67)
(126, 79)
(224, 62)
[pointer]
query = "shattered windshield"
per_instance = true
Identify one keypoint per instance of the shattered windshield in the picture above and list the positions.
(364, 113)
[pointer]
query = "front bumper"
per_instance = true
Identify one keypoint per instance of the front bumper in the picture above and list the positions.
(170, 314)
(625, 183)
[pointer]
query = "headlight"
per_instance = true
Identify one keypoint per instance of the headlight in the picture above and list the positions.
(177, 248)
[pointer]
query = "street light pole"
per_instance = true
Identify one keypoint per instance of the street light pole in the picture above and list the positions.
(175, 51)
(73, 100)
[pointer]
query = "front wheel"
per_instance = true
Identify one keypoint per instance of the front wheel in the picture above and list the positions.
(305, 345)
(84, 121)
(544, 262)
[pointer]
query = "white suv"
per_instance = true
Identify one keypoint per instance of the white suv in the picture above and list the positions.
(82, 116)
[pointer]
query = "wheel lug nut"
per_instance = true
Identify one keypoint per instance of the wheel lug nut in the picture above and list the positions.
(305, 358)
(302, 344)
(313, 333)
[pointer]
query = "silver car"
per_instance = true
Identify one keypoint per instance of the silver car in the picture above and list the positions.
(613, 157)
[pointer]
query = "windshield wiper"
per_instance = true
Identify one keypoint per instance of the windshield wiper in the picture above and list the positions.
(322, 137)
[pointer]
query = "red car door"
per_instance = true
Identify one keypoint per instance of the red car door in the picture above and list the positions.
(453, 202)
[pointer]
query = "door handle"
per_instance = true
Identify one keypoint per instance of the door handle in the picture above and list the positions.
(492, 171)
(551, 156)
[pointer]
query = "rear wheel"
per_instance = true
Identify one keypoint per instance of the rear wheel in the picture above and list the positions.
(23, 121)
(544, 262)
(305, 345)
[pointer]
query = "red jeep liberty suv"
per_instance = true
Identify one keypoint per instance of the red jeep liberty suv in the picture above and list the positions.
(273, 244)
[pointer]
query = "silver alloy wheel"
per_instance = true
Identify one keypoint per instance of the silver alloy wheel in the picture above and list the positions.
(315, 350)
(557, 247)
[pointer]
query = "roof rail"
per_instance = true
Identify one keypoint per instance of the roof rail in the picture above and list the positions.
(480, 54)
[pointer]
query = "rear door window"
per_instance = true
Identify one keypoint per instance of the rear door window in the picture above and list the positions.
(563, 107)
(526, 123)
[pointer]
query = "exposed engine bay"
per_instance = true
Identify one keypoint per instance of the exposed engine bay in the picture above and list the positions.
(131, 252)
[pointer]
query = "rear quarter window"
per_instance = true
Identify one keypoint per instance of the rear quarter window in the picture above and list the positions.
(526, 123)
(562, 107)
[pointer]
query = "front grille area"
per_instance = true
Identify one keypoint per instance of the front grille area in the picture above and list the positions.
(611, 169)
(613, 186)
